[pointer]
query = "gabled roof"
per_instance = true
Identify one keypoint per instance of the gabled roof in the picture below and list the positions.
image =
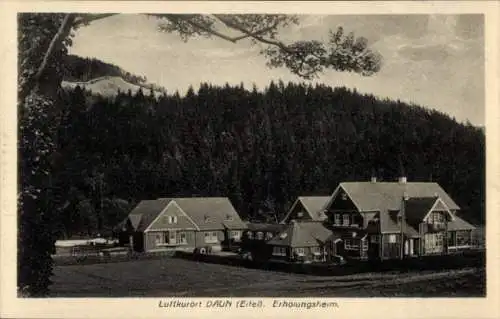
(459, 224)
(207, 213)
(211, 212)
(386, 196)
(417, 208)
(314, 206)
(145, 212)
(301, 234)
(317, 230)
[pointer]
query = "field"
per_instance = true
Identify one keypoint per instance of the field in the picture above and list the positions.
(173, 277)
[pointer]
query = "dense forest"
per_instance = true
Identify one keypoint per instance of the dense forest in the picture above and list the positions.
(259, 148)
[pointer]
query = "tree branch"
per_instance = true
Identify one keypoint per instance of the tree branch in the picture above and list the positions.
(254, 35)
(62, 33)
(214, 32)
(87, 18)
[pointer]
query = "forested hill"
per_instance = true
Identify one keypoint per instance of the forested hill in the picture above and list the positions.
(261, 149)
(102, 77)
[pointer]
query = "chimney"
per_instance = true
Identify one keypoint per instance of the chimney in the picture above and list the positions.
(402, 175)
(374, 176)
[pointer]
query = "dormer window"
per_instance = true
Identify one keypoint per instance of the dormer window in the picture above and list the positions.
(207, 218)
(229, 217)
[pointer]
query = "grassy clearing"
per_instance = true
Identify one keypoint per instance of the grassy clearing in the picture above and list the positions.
(183, 278)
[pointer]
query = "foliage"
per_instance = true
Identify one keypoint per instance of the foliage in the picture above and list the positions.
(38, 117)
(263, 149)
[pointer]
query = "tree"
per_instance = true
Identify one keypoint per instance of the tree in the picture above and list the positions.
(43, 41)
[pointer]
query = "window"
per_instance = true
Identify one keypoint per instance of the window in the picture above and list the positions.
(269, 235)
(300, 251)
(343, 196)
(279, 251)
(374, 239)
(235, 234)
(300, 214)
(434, 243)
(182, 238)
(211, 237)
(250, 235)
(346, 220)
(174, 219)
(392, 238)
(260, 235)
(337, 219)
(170, 219)
(229, 217)
(158, 239)
(315, 250)
(351, 244)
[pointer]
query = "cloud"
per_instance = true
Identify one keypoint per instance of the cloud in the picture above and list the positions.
(435, 52)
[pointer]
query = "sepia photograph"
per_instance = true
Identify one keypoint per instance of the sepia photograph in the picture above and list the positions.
(183, 155)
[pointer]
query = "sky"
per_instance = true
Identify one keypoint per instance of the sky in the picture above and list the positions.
(436, 61)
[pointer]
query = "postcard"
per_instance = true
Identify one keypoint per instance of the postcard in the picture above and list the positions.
(192, 159)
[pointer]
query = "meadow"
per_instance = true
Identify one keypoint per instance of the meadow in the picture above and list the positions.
(175, 277)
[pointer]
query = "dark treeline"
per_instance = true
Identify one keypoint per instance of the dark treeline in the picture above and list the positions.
(261, 149)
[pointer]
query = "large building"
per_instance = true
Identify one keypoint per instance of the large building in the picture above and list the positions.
(209, 223)
(384, 220)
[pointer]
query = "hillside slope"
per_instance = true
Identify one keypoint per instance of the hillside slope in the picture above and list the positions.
(108, 86)
(104, 78)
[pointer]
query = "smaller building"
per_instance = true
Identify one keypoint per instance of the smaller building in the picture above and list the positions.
(297, 241)
(307, 208)
(209, 223)
(303, 241)
(256, 236)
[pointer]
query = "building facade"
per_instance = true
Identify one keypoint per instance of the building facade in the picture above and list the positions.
(386, 220)
(183, 224)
